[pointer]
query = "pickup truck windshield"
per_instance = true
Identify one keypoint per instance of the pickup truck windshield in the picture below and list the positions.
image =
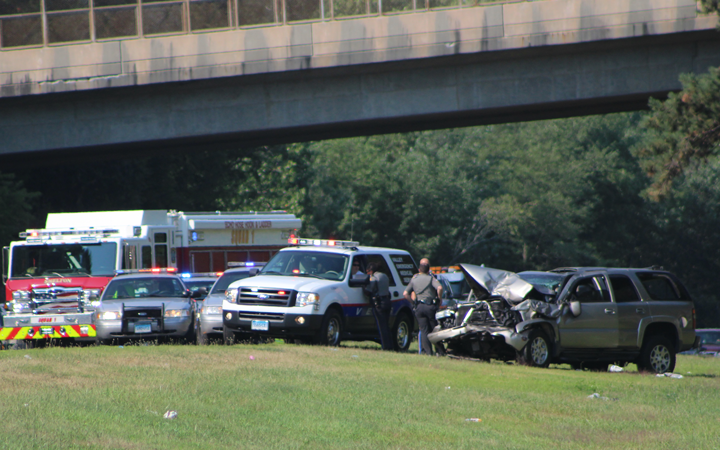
(329, 266)
(63, 260)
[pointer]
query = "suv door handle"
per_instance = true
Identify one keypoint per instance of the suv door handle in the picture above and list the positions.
(609, 311)
(640, 310)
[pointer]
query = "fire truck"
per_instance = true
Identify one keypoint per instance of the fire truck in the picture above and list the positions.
(54, 276)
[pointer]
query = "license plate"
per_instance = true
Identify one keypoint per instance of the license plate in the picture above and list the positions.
(46, 330)
(260, 325)
(143, 328)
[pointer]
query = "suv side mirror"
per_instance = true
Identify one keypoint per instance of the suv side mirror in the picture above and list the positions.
(254, 271)
(575, 308)
(359, 280)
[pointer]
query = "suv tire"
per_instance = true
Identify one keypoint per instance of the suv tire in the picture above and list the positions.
(228, 336)
(402, 333)
(331, 329)
(657, 355)
(538, 351)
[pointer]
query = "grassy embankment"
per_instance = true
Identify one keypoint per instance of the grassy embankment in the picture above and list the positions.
(291, 396)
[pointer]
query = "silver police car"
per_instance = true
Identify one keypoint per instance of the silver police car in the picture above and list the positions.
(145, 306)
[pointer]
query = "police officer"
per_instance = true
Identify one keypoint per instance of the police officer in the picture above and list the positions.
(379, 291)
(426, 289)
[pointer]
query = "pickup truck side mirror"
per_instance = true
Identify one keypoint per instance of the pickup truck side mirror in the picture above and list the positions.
(359, 280)
(575, 308)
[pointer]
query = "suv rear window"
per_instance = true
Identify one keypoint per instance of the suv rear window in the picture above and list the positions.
(659, 286)
(624, 289)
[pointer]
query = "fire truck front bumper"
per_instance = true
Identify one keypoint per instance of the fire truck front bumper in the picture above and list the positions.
(49, 326)
(272, 324)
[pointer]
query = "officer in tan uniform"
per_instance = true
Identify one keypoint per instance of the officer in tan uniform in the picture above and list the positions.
(428, 292)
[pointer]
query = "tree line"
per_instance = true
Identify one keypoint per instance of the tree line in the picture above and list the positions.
(626, 190)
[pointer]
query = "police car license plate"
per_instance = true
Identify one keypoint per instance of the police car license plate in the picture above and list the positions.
(143, 328)
(260, 325)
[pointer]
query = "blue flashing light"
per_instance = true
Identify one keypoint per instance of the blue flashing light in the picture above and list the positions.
(186, 275)
(249, 264)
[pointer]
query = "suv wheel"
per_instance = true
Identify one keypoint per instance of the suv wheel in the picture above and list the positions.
(537, 351)
(657, 356)
(331, 329)
(402, 331)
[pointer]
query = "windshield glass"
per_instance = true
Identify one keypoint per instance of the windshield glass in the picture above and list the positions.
(329, 266)
(127, 288)
(64, 260)
(552, 281)
(224, 281)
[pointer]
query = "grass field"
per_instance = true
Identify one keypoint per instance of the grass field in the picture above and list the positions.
(279, 396)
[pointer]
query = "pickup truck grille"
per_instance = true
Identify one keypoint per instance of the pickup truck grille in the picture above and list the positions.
(267, 297)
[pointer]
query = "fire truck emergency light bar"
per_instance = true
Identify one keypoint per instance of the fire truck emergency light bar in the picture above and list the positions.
(321, 242)
(41, 233)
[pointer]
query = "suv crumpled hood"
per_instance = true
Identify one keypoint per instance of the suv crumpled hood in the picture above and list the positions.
(485, 282)
(305, 284)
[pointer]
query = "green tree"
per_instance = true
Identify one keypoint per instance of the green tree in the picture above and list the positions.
(15, 208)
(683, 131)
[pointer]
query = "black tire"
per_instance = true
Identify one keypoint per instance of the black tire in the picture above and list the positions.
(657, 355)
(538, 351)
(331, 330)
(402, 333)
(228, 336)
(200, 339)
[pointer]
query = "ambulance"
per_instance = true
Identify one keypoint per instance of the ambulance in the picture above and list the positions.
(54, 276)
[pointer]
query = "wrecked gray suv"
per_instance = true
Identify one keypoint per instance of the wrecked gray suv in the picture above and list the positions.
(587, 317)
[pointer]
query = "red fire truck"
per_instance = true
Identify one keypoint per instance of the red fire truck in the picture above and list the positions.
(54, 276)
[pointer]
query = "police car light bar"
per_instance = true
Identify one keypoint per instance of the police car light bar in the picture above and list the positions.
(170, 270)
(201, 274)
(321, 242)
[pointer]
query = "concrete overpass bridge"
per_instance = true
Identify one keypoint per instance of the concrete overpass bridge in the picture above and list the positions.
(103, 77)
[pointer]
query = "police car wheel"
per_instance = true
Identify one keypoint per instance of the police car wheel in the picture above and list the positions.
(331, 329)
(402, 331)
(200, 339)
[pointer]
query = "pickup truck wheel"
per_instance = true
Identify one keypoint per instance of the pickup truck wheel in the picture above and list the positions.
(331, 329)
(537, 351)
(228, 336)
(657, 356)
(402, 331)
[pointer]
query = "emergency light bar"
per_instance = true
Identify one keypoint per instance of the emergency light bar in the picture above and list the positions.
(244, 264)
(201, 274)
(321, 242)
(170, 270)
(41, 233)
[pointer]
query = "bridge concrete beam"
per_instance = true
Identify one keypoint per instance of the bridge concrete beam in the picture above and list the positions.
(520, 61)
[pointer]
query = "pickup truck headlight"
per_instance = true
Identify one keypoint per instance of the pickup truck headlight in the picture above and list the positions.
(21, 296)
(177, 313)
(231, 295)
(307, 298)
(108, 315)
(211, 310)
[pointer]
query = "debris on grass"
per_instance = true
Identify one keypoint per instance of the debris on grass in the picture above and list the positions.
(473, 419)
(252, 358)
(170, 415)
(28, 357)
(615, 369)
(596, 395)
(669, 375)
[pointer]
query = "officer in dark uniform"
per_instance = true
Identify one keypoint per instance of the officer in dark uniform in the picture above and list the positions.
(427, 289)
(379, 291)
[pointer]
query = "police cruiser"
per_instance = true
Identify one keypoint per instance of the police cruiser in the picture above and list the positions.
(311, 293)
